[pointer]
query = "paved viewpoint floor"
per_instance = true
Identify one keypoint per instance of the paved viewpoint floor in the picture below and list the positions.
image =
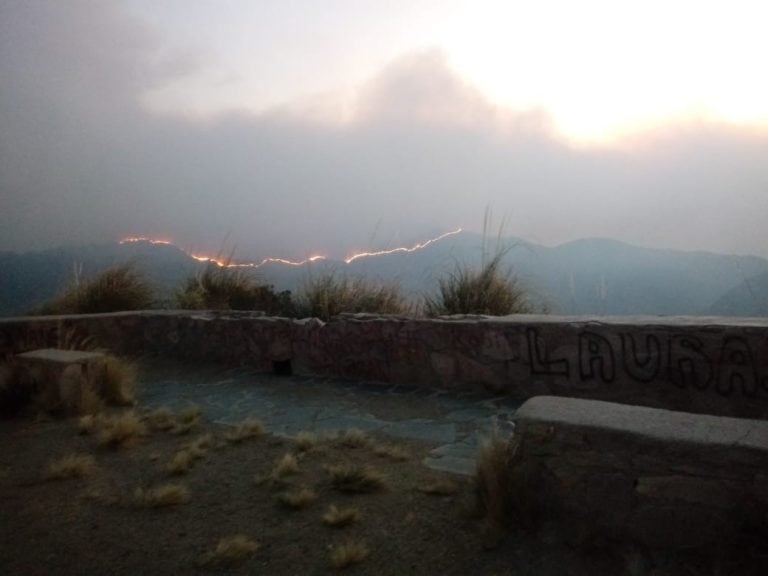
(453, 421)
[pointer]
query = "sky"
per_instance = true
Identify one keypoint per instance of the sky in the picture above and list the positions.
(291, 128)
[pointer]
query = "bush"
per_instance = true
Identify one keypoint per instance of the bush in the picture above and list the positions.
(116, 289)
(222, 288)
(487, 291)
(329, 295)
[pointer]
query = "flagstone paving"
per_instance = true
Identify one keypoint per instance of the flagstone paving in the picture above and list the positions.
(455, 421)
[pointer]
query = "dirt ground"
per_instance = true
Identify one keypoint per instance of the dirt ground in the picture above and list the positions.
(95, 525)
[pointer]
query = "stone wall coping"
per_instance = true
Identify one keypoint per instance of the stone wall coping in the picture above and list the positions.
(59, 356)
(654, 423)
(501, 321)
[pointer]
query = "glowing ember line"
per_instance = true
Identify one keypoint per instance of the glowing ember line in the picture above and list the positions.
(223, 264)
(135, 239)
(316, 258)
(413, 248)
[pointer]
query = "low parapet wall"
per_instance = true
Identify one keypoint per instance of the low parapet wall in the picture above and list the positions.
(655, 476)
(709, 365)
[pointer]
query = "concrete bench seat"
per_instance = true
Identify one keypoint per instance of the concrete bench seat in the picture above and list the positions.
(656, 476)
(62, 374)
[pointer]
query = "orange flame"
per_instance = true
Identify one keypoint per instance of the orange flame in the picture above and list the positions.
(316, 258)
(134, 239)
(413, 248)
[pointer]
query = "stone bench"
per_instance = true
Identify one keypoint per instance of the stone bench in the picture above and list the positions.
(648, 475)
(61, 374)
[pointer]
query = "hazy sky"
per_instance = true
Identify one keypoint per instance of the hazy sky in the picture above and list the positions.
(286, 128)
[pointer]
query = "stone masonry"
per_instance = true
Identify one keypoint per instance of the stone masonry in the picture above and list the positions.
(655, 476)
(706, 365)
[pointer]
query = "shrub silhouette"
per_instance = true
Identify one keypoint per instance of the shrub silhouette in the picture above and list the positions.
(116, 289)
(488, 291)
(329, 295)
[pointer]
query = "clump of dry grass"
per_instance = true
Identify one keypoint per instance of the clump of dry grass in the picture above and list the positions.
(250, 428)
(392, 452)
(230, 551)
(352, 438)
(285, 466)
(118, 381)
(439, 487)
(347, 554)
(161, 419)
(161, 496)
(187, 419)
(493, 478)
(355, 478)
(89, 423)
(298, 499)
(121, 430)
(181, 463)
(72, 466)
(305, 441)
(338, 518)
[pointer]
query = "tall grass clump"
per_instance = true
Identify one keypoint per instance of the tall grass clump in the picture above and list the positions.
(118, 288)
(494, 480)
(329, 295)
(219, 287)
(489, 290)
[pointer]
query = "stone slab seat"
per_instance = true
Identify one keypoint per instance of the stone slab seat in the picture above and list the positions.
(656, 476)
(61, 373)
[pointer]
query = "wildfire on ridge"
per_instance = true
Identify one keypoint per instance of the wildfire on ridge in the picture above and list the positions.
(413, 248)
(227, 264)
(134, 239)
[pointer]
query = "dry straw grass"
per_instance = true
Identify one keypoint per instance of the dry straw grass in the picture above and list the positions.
(72, 466)
(247, 429)
(340, 517)
(162, 496)
(231, 551)
(305, 441)
(439, 487)
(353, 438)
(493, 478)
(118, 381)
(298, 499)
(355, 478)
(347, 554)
(121, 430)
(285, 466)
(161, 419)
(392, 452)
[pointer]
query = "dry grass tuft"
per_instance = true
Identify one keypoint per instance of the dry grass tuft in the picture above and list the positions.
(181, 463)
(298, 499)
(118, 382)
(305, 441)
(347, 554)
(439, 487)
(89, 423)
(285, 466)
(161, 496)
(161, 419)
(121, 430)
(230, 551)
(354, 478)
(200, 445)
(338, 518)
(493, 479)
(250, 428)
(72, 466)
(187, 419)
(353, 438)
(392, 452)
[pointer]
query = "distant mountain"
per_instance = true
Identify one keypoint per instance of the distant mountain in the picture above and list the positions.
(590, 276)
(749, 298)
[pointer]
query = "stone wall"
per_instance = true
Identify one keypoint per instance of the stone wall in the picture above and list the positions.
(709, 365)
(659, 477)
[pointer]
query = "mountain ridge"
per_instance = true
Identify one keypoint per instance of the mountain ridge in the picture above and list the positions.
(600, 276)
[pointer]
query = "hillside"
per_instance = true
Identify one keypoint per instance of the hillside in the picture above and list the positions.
(590, 276)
